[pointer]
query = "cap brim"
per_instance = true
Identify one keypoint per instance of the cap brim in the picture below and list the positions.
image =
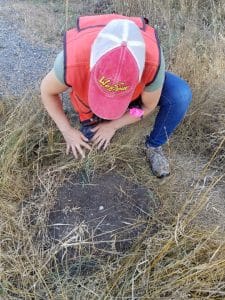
(109, 108)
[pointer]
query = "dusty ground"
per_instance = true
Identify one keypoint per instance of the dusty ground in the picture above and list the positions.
(23, 59)
(107, 210)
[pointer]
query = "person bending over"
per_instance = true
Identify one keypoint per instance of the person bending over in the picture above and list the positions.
(115, 69)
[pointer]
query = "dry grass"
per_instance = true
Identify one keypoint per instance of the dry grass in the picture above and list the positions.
(184, 259)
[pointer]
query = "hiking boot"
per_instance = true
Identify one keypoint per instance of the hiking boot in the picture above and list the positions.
(158, 162)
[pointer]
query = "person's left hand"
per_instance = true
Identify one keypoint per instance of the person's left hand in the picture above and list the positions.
(103, 134)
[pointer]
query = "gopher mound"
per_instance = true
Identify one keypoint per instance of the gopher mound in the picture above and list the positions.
(107, 213)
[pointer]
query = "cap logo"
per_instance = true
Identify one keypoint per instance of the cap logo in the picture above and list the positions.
(116, 87)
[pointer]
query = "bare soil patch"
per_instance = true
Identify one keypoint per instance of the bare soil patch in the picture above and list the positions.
(109, 211)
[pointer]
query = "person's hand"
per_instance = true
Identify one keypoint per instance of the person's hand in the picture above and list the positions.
(103, 134)
(76, 142)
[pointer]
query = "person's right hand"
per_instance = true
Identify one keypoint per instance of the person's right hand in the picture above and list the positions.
(76, 142)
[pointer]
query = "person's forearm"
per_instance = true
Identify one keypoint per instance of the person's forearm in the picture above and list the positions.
(128, 119)
(53, 105)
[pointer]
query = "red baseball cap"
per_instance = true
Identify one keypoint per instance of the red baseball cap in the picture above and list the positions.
(117, 62)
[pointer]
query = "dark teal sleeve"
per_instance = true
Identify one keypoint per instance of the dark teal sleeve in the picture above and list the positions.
(59, 67)
(159, 80)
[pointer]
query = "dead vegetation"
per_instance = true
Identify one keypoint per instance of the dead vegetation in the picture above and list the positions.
(184, 259)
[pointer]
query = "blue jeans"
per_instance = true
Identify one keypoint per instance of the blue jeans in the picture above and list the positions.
(86, 130)
(173, 104)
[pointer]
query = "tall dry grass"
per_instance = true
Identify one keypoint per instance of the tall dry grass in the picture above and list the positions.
(184, 259)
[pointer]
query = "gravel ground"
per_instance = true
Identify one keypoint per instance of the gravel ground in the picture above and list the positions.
(23, 63)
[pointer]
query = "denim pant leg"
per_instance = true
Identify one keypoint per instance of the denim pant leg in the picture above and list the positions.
(173, 104)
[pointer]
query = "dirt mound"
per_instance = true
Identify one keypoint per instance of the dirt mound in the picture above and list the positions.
(107, 213)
